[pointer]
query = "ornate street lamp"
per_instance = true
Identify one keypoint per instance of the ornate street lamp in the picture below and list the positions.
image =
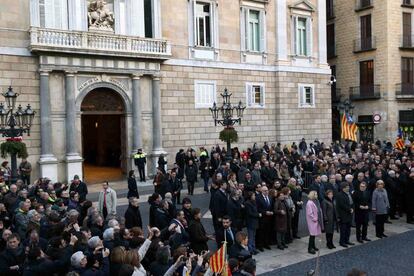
(14, 123)
(227, 120)
(347, 107)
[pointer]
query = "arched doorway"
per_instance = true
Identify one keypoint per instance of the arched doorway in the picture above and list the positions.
(103, 135)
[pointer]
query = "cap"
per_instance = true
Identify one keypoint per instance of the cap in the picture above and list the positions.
(76, 177)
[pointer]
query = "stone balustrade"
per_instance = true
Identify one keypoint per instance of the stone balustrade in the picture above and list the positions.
(82, 42)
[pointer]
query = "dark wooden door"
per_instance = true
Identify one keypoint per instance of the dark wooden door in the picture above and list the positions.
(407, 76)
(366, 32)
(366, 78)
(407, 30)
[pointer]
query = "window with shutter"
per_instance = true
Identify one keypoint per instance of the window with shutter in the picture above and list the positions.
(204, 93)
(306, 95)
(255, 94)
(54, 14)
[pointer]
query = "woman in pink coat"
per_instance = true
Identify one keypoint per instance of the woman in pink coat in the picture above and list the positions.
(314, 220)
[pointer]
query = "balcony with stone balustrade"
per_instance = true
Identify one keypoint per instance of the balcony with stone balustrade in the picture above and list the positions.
(97, 43)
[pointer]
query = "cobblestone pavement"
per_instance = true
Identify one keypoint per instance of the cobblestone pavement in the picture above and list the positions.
(386, 257)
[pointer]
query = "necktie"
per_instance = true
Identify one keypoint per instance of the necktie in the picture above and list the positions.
(230, 234)
(267, 201)
(104, 203)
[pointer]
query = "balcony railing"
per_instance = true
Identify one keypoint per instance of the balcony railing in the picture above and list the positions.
(80, 42)
(407, 41)
(365, 44)
(407, 3)
(363, 4)
(365, 92)
(404, 90)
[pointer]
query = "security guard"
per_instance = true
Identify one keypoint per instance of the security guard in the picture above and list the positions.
(140, 160)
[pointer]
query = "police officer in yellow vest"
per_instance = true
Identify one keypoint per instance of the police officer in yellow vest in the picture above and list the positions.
(140, 160)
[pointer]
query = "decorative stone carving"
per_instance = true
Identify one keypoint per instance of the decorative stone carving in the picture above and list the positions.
(100, 18)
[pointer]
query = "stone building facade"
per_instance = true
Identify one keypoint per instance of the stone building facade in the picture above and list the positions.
(108, 77)
(370, 48)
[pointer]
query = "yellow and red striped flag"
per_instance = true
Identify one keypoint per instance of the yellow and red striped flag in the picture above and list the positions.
(348, 128)
(399, 143)
(218, 259)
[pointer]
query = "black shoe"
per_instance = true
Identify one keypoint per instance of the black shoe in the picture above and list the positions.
(410, 222)
(260, 249)
(350, 243)
(296, 237)
(311, 251)
(360, 241)
(366, 239)
(333, 246)
(343, 245)
(384, 236)
(329, 246)
(316, 249)
(267, 247)
(394, 218)
(379, 237)
(255, 252)
(280, 247)
(284, 245)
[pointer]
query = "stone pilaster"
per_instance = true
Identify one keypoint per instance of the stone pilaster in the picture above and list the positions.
(136, 113)
(73, 160)
(47, 161)
(157, 149)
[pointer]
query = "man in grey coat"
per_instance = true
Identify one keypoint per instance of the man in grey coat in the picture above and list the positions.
(22, 219)
(107, 201)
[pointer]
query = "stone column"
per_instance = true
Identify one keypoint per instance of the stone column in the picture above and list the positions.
(156, 114)
(281, 30)
(157, 149)
(73, 160)
(322, 33)
(47, 161)
(136, 113)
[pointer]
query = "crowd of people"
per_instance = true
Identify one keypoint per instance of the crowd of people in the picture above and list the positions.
(255, 201)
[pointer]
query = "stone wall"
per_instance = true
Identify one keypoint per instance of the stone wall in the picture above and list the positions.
(280, 121)
(21, 73)
(387, 28)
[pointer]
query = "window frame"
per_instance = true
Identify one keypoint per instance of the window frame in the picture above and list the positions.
(197, 83)
(246, 37)
(197, 33)
(308, 35)
(301, 94)
(249, 95)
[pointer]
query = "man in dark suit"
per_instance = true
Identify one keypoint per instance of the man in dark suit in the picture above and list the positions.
(361, 199)
(132, 214)
(219, 205)
(180, 237)
(226, 233)
(265, 207)
(344, 210)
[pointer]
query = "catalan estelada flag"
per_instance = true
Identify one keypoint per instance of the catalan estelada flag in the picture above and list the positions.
(399, 143)
(348, 128)
(218, 259)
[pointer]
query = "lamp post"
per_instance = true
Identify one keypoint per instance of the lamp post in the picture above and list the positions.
(14, 123)
(347, 107)
(226, 112)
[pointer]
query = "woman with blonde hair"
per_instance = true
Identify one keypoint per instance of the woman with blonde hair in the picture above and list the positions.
(117, 259)
(132, 258)
(314, 220)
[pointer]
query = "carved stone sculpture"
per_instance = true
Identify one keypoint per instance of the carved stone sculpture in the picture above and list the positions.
(100, 18)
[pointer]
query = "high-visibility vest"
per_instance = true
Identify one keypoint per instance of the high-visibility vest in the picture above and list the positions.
(137, 155)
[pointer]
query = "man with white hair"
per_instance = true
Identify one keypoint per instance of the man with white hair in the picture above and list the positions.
(349, 178)
(393, 189)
